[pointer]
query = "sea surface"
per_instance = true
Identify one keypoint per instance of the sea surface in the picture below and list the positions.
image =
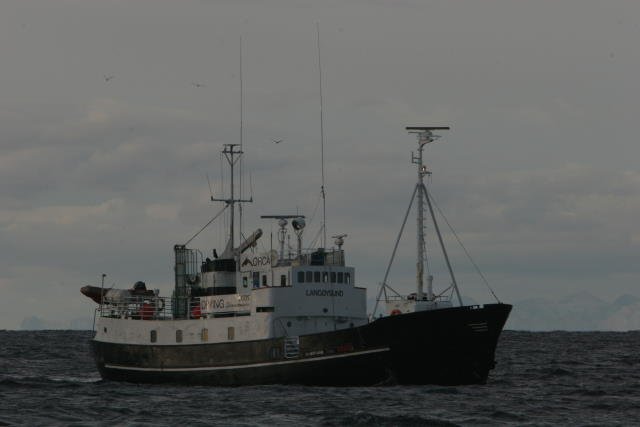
(551, 378)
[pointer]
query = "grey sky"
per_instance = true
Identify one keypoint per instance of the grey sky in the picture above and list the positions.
(539, 174)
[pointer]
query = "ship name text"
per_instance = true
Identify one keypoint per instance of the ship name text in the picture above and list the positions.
(323, 293)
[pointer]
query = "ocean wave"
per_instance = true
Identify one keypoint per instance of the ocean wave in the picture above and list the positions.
(371, 419)
(47, 382)
(540, 379)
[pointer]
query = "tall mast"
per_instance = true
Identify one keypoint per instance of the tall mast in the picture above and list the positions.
(422, 171)
(425, 136)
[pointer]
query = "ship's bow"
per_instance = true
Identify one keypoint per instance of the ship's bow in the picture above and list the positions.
(450, 346)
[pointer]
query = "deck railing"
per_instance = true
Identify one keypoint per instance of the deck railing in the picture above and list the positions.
(412, 297)
(145, 308)
(159, 308)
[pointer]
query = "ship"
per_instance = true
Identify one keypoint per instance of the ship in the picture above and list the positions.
(294, 314)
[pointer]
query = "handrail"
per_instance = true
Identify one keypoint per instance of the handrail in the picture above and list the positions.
(158, 308)
(442, 298)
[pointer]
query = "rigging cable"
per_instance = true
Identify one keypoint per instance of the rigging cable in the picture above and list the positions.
(206, 225)
(315, 210)
(317, 236)
(463, 247)
(426, 257)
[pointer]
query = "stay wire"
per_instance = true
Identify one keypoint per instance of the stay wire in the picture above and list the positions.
(463, 247)
(315, 209)
(206, 225)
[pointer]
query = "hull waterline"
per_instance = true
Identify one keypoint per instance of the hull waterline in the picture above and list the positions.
(449, 346)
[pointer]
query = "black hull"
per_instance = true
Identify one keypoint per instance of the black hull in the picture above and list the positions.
(450, 347)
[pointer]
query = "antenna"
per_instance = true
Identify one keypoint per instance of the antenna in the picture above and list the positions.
(251, 185)
(298, 224)
(324, 201)
(210, 190)
(241, 136)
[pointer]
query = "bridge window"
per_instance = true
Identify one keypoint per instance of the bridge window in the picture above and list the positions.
(316, 276)
(347, 278)
(333, 277)
(264, 280)
(245, 282)
(300, 276)
(340, 277)
(154, 336)
(256, 279)
(283, 280)
(325, 277)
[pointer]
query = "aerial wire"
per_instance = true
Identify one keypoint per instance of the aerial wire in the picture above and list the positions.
(241, 138)
(324, 202)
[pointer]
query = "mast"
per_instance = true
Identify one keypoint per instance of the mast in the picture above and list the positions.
(233, 153)
(422, 171)
(425, 136)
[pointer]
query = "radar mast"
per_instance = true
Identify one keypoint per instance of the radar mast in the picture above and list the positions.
(425, 135)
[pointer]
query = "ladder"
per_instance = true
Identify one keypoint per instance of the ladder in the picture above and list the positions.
(291, 347)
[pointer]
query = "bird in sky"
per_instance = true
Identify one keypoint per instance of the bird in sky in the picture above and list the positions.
(108, 77)
(276, 141)
(198, 84)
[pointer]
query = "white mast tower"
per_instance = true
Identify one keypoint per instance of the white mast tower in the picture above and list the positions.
(425, 136)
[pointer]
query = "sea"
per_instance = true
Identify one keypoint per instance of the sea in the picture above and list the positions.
(49, 378)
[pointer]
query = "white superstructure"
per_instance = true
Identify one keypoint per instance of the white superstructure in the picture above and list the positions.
(242, 295)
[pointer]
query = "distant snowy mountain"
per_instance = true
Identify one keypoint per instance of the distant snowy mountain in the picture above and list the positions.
(578, 312)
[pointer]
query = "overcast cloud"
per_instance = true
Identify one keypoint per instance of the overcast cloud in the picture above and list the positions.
(539, 174)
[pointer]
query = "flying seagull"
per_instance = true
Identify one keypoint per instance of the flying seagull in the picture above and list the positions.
(198, 84)
(276, 141)
(107, 78)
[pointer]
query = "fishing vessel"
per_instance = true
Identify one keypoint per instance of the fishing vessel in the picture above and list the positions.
(294, 314)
